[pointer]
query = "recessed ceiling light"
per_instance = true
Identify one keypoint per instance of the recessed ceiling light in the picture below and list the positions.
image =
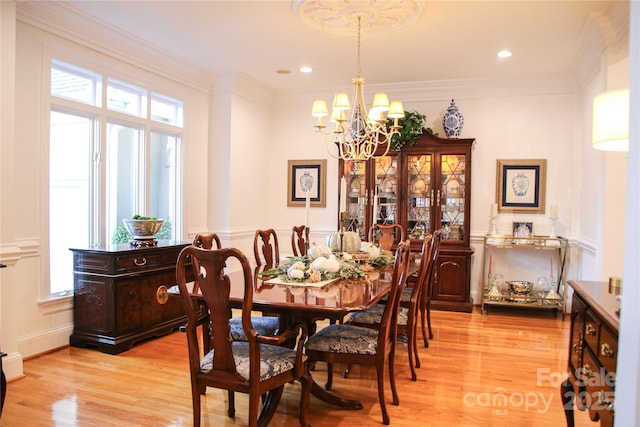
(306, 69)
(504, 54)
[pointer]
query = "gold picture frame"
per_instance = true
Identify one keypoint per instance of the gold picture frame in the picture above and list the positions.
(303, 175)
(521, 185)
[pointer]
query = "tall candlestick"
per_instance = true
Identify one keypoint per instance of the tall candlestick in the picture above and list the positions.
(554, 212)
(343, 194)
(494, 209)
(490, 262)
(551, 267)
(375, 206)
(307, 205)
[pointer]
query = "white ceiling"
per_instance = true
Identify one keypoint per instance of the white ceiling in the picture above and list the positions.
(451, 40)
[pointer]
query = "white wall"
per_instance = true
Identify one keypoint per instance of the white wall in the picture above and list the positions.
(239, 137)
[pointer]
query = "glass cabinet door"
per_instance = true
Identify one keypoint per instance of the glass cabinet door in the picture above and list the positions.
(419, 196)
(385, 193)
(355, 175)
(452, 208)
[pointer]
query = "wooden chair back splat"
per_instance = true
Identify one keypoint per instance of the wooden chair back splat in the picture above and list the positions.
(266, 249)
(298, 242)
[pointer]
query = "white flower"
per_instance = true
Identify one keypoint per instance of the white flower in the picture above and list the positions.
(346, 256)
(332, 265)
(318, 263)
(371, 249)
(298, 265)
(296, 274)
(317, 251)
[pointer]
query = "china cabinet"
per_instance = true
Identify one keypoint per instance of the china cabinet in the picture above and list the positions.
(524, 272)
(120, 295)
(423, 188)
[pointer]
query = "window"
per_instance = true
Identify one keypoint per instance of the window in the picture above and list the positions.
(108, 164)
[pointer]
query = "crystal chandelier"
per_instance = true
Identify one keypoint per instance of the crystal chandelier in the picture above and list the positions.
(356, 135)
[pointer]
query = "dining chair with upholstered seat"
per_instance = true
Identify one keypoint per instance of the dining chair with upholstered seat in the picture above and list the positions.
(387, 236)
(344, 343)
(298, 242)
(265, 325)
(261, 366)
(266, 249)
(410, 306)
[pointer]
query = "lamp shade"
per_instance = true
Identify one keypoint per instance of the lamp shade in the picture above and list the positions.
(319, 108)
(341, 101)
(611, 121)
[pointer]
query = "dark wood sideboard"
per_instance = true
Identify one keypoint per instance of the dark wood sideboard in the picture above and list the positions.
(120, 295)
(593, 352)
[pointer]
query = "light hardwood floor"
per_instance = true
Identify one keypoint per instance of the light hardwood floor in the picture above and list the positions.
(495, 370)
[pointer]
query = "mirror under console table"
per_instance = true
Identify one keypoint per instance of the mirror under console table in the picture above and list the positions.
(593, 351)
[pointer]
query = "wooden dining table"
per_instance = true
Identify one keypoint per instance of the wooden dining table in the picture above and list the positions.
(305, 303)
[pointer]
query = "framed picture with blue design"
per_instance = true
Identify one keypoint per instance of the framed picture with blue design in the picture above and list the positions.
(521, 185)
(307, 176)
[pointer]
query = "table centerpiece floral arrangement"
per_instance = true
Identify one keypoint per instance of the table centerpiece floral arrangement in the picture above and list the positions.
(321, 264)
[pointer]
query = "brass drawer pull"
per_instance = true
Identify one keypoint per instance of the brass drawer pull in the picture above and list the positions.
(590, 329)
(606, 350)
(577, 348)
(603, 401)
(139, 263)
(586, 370)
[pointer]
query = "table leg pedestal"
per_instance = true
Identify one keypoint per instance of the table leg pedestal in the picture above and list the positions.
(332, 399)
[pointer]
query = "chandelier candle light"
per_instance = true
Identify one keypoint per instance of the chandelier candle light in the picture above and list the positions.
(358, 137)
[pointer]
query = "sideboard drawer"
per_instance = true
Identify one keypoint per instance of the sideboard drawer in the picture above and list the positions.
(608, 350)
(591, 330)
(599, 390)
(138, 262)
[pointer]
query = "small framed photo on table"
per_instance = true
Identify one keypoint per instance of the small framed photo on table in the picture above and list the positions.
(307, 175)
(521, 185)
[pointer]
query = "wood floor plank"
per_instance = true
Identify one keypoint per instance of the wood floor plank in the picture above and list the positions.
(501, 369)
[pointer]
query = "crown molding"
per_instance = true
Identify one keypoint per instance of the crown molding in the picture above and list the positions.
(426, 91)
(65, 21)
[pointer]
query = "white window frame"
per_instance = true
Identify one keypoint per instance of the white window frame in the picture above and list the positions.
(98, 211)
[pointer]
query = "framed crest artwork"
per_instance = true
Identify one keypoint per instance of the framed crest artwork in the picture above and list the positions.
(521, 185)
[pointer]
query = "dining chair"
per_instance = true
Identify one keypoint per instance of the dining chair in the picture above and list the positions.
(345, 343)
(410, 306)
(266, 249)
(298, 242)
(265, 325)
(261, 365)
(387, 236)
(425, 304)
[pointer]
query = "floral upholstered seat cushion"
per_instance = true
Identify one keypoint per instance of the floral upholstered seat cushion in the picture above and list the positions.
(406, 295)
(344, 338)
(274, 360)
(373, 315)
(265, 325)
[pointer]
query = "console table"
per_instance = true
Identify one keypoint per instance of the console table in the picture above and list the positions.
(120, 295)
(593, 351)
